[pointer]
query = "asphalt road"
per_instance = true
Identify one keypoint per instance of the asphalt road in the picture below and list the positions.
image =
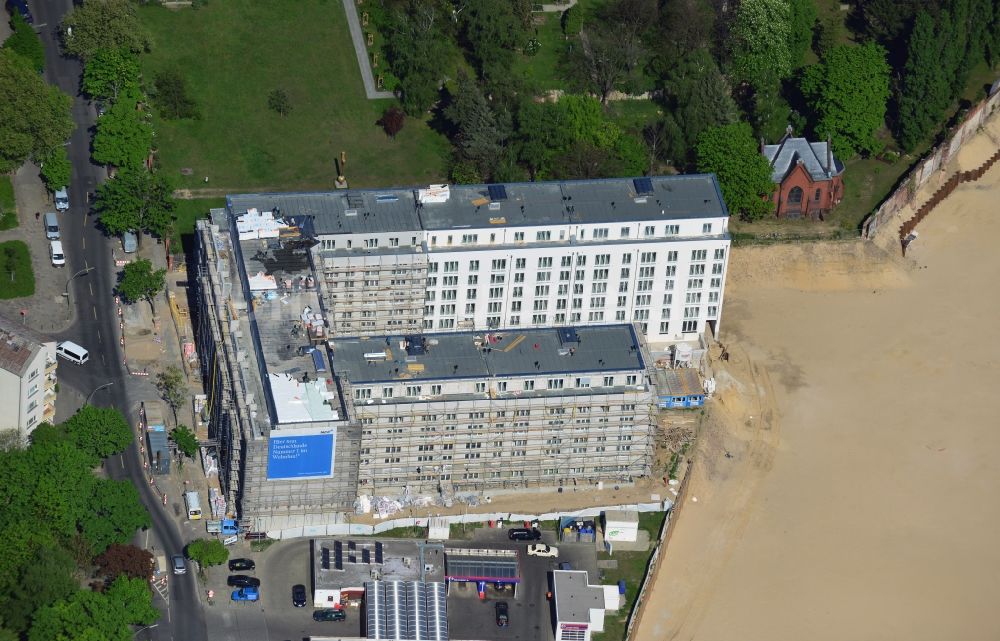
(96, 326)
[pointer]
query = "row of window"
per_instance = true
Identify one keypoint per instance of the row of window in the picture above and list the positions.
(547, 262)
(362, 393)
(600, 233)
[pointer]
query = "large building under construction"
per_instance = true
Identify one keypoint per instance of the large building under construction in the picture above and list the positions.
(446, 340)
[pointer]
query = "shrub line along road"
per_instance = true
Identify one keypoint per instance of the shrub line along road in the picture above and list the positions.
(96, 328)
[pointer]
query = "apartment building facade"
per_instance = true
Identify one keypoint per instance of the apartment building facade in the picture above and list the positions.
(27, 377)
(653, 251)
(499, 411)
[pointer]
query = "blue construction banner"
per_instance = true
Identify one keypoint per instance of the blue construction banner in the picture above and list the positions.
(298, 457)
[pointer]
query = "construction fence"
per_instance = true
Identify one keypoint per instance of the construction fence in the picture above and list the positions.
(935, 161)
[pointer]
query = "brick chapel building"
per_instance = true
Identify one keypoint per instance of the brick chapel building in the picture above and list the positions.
(807, 175)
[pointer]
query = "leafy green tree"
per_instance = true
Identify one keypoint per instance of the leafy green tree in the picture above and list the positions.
(56, 168)
(802, 19)
(173, 388)
(542, 133)
(685, 26)
(731, 153)
(115, 513)
(99, 431)
(103, 24)
(279, 103)
(418, 47)
(173, 97)
(24, 41)
(492, 33)
(134, 599)
(34, 116)
(847, 93)
(109, 72)
(47, 578)
(186, 440)
(139, 281)
(207, 552)
(482, 134)
(759, 44)
(136, 200)
(94, 616)
(124, 134)
(584, 160)
(771, 113)
(11, 439)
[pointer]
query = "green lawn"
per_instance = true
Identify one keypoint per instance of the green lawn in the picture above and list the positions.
(8, 208)
(16, 276)
(540, 71)
(233, 54)
(187, 212)
(631, 567)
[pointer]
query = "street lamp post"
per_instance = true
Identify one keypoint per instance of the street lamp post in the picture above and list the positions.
(98, 389)
(70, 280)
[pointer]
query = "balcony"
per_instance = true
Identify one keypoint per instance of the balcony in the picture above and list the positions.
(49, 413)
(50, 366)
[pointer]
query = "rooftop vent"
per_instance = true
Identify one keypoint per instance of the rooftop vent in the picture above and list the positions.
(494, 206)
(351, 212)
(386, 198)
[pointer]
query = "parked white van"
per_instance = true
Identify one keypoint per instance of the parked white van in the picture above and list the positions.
(56, 253)
(72, 352)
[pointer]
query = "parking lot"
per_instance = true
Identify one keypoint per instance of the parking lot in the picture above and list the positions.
(285, 563)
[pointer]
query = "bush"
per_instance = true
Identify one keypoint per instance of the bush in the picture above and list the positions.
(207, 552)
(8, 208)
(16, 277)
(572, 21)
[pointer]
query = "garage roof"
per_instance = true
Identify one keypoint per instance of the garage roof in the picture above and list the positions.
(482, 565)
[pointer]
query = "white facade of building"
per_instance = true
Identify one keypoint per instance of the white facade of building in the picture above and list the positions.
(27, 378)
(653, 251)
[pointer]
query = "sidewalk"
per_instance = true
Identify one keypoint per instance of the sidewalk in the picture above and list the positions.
(47, 311)
(361, 51)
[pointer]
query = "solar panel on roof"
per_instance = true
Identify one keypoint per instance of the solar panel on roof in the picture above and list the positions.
(326, 558)
(338, 559)
(643, 186)
(497, 193)
(378, 552)
(366, 556)
(351, 545)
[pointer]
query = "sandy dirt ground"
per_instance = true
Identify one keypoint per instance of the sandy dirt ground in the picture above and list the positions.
(860, 501)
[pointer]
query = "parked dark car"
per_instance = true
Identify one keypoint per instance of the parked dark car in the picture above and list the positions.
(502, 614)
(243, 581)
(299, 596)
(523, 534)
(329, 614)
(20, 6)
(242, 565)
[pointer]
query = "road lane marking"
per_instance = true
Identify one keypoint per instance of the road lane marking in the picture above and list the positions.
(83, 239)
(99, 340)
(91, 285)
(95, 312)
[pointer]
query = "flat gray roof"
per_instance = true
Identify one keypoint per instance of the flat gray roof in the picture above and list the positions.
(542, 352)
(349, 211)
(508, 205)
(575, 597)
(578, 201)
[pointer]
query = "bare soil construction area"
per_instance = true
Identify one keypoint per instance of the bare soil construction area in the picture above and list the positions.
(861, 413)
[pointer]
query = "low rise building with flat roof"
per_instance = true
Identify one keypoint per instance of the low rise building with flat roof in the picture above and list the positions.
(580, 606)
(342, 566)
